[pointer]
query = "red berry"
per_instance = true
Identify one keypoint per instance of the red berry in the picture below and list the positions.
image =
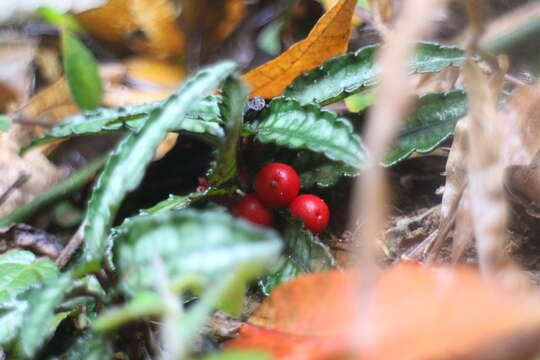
(253, 210)
(313, 210)
(277, 184)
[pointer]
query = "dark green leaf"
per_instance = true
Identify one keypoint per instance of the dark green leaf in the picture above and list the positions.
(316, 170)
(81, 72)
(303, 253)
(5, 122)
(205, 244)
(126, 166)
(289, 124)
(235, 95)
(203, 118)
(40, 320)
(347, 74)
(90, 346)
(431, 123)
(19, 271)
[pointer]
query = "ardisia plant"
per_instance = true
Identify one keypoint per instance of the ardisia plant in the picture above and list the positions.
(188, 247)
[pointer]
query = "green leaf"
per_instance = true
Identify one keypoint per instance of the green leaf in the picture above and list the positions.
(315, 169)
(11, 319)
(235, 96)
(203, 118)
(348, 74)
(303, 254)
(268, 39)
(62, 21)
(431, 123)
(190, 324)
(190, 243)
(5, 122)
(235, 354)
(143, 304)
(179, 202)
(288, 123)
(126, 166)
(90, 346)
(359, 102)
(39, 320)
(81, 72)
(19, 271)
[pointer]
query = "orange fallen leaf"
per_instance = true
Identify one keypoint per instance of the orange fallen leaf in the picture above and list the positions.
(327, 4)
(413, 312)
(119, 20)
(286, 346)
(327, 39)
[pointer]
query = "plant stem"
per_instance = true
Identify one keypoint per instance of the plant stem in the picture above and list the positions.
(65, 187)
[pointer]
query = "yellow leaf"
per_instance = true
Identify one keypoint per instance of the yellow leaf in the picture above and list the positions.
(327, 39)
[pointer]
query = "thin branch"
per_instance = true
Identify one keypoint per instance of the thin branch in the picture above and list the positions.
(21, 180)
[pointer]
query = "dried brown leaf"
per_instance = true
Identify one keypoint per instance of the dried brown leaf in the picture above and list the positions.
(119, 20)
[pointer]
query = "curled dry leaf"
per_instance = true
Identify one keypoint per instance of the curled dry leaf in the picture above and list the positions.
(328, 38)
(412, 312)
(119, 20)
(17, 76)
(148, 80)
(41, 173)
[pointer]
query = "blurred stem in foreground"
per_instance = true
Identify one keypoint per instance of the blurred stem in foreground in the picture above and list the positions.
(65, 187)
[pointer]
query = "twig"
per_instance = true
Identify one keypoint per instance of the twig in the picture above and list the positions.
(515, 80)
(444, 228)
(370, 194)
(370, 20)
(22, 120)
(72, 246)
(513, 29)
(18, 183)
(62, 189)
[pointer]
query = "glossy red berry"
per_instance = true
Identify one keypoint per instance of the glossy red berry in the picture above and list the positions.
(253, 210)
(277, 184)
(313, 210)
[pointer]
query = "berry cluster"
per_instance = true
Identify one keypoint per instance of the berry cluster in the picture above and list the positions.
(277, 185)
